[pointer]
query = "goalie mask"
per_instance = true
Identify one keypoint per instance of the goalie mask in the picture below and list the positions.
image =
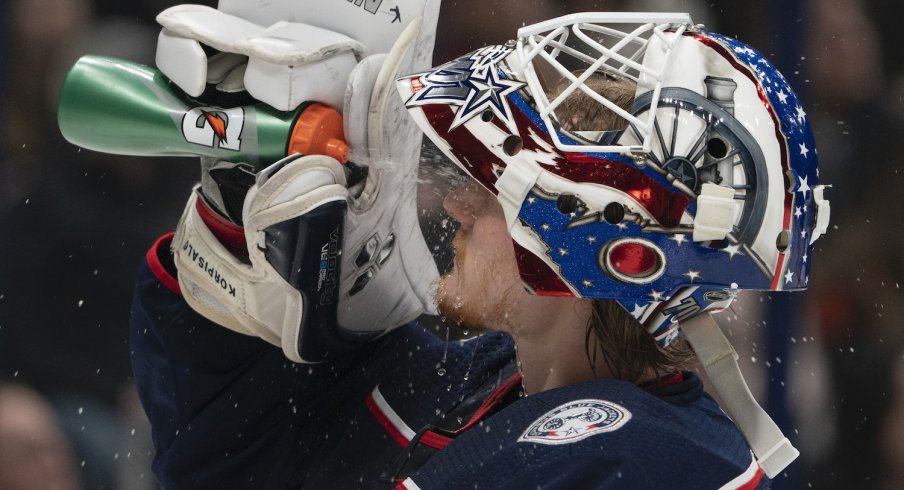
(707, 183)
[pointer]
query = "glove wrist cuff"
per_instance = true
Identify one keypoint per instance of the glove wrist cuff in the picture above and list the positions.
(231, 235)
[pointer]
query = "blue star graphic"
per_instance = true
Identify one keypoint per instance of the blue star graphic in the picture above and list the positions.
(473, 82)
(485, 92)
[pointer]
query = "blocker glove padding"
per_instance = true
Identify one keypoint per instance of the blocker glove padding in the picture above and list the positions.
(286, 292)
(324, 270)
(327, 265)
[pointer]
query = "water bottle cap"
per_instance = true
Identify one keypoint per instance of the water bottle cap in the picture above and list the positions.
(319, 131)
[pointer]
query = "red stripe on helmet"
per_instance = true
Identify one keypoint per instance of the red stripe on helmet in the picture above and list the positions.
(665, 205)
(539, 276)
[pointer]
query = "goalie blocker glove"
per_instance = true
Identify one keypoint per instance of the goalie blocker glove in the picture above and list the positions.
(319, 277)
(325, 268)
(294, 217)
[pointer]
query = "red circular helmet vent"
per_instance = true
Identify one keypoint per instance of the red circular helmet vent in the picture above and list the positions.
(633, 260)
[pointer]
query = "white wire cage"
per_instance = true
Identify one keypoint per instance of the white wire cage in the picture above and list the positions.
(577, 46)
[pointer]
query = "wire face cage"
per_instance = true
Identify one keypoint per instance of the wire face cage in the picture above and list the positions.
(575, 47)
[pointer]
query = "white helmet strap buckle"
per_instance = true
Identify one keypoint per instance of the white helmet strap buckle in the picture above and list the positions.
(823, 212)
(716, 210)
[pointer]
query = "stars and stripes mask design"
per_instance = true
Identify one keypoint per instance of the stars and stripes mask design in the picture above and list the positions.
(711, 185)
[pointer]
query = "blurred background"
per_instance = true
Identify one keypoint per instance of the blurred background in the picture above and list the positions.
(828, 363)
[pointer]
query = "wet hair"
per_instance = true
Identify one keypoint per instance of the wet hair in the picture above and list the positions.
(628, 350)
(579, 112)
(613, 334)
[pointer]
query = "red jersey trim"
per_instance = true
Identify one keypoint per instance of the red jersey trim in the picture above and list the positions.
(749, 480)
(434, 440)
(491, 401)
(156, 266)
(388, 418)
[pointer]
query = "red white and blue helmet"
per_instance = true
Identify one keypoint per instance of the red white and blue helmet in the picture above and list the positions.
(711, 188)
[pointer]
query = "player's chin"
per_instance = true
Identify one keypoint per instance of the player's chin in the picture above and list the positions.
(455, 310)
(447, 294)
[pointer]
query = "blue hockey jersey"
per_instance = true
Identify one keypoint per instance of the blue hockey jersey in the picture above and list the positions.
(407, 411)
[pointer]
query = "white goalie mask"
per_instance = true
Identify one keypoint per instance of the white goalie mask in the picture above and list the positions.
(708, 187)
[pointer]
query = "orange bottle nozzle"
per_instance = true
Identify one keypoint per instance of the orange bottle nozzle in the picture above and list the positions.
(318, 131)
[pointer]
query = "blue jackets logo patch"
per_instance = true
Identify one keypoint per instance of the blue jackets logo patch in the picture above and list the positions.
(576, 420)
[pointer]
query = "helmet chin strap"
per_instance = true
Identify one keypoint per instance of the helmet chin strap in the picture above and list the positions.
(773, 450)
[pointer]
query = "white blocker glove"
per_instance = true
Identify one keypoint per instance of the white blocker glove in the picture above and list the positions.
(285, 53)
(324, 272)
(304, 228)
(273, 49)
(293, 218)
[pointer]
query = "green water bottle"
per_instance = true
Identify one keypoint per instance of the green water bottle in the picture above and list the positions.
(121, 107)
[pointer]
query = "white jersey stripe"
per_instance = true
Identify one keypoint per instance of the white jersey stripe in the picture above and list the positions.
(409, 484)
(391, 415)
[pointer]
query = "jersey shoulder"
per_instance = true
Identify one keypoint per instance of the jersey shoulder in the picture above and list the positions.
(602, 434)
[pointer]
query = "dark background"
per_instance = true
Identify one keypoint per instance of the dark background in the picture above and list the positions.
(74, 224)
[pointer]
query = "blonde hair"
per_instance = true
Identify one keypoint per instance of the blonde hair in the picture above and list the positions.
(579, 112)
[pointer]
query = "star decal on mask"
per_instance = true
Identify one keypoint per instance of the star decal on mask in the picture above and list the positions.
(486, 92)
(473, 82)
(789, 277)
(638, 310)
(679, 238)
(802, 186)
(692, 275)
(732, 250)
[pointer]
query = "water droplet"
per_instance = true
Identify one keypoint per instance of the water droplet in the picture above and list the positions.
(441, 371)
